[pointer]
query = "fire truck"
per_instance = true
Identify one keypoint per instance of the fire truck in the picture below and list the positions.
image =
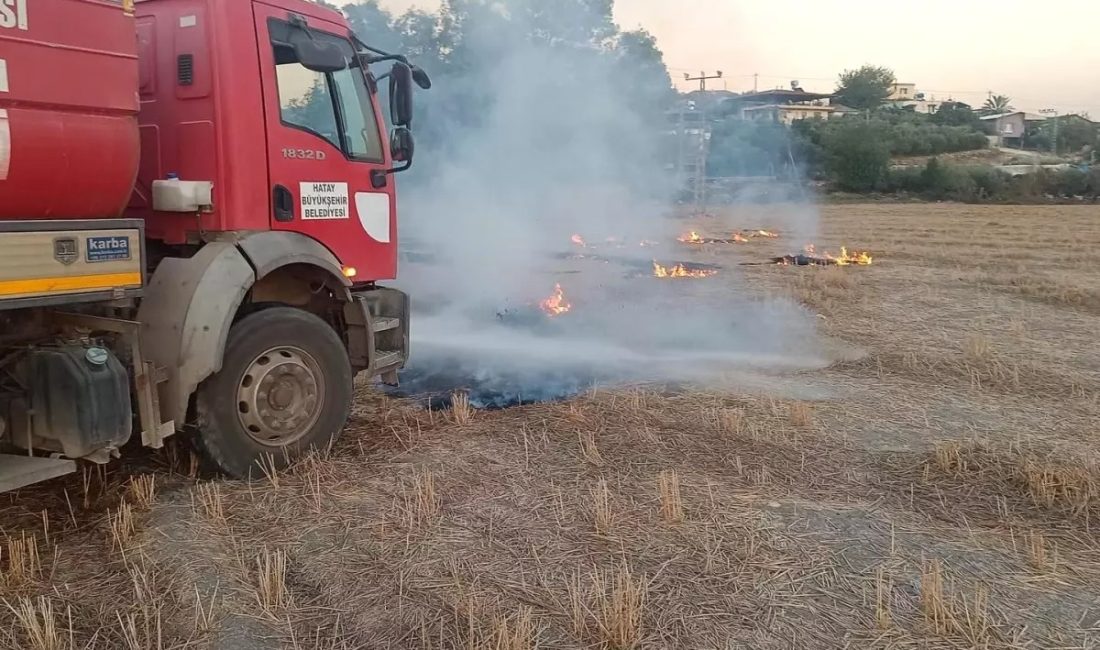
(197, 204)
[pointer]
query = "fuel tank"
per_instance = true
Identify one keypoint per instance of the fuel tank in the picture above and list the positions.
(69, 144)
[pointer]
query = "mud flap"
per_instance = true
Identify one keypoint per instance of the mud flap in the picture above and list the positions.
(186, 315)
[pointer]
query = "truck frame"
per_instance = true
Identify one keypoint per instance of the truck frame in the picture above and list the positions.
(196, 207)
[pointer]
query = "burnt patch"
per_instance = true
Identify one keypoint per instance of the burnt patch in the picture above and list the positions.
(492, 389)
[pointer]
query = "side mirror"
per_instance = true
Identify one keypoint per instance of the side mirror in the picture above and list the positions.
(319, 57)
(401, 150)
(421, 78)
(401, 94)
(402, 146)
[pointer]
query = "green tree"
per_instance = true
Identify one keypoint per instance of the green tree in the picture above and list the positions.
(568, 51)
(1074, 132)
(957, 114)
(858, 157)
(997, 104)
(866, 88)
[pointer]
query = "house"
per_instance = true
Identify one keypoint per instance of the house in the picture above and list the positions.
(902, 92)
(783, 106)
(1010, 128)
(919, 105)
(907, 97)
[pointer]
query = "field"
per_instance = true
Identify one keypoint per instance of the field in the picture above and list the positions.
(938, 491)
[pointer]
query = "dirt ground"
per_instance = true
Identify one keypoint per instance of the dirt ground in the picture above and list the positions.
(940, 493)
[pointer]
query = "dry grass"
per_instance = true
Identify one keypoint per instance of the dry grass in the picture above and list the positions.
(589, 451)
(142, 491)
(884, 589)
(271, 592)
(122, 527)
(1042, 553)
(207, 498)
(951, 614)
(607, 607)
(39, 625)
(21, 564)
(828, 289)
(731, 421)
(668, 490)
(1023, 477)
(801, 415)
(421, 505)
(603, 517)
(815, 500)
(518, 631)
(461, 411)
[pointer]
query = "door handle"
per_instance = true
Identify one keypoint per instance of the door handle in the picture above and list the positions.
(283, 201)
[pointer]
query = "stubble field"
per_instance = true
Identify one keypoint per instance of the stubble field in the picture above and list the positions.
(940, 489)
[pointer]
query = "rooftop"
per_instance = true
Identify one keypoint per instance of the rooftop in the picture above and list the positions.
(1029, 117)
(780, 96)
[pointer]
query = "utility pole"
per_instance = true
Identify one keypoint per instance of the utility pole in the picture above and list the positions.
(703, 78)
(755, 81)
(700, 132)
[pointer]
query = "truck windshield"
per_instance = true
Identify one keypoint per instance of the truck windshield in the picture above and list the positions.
(333, 106)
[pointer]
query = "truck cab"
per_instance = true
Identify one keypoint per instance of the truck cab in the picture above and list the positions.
(226, 99)
(202, 225)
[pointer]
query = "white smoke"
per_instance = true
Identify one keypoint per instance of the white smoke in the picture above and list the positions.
(560, 147)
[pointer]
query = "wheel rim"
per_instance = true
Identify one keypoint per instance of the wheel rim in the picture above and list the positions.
(280, 396)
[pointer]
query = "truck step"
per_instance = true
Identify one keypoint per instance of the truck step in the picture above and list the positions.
(386, 359)
(20, 471)
(382, 324)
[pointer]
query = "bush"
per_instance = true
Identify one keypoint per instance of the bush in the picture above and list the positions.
(990, 182)
(939, 181)
(1094, 181)
(906, 133)
(1067, 183)
(934, 179)
(904, 180)
(858, 157)
(1026, 186)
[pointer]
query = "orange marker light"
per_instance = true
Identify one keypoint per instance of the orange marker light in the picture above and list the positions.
(350, 272)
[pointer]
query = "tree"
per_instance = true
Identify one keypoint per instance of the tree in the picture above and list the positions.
(866, 88)
(1074, 133)
(504, 66)
(997, 104)
(957, 114)
(859, 157)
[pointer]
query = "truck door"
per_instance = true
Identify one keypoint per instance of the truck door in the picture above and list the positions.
(324, 137)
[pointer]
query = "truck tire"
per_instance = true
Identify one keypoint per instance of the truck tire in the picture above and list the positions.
(284, 388)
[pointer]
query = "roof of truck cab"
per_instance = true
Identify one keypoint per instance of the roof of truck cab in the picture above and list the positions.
(307, 8)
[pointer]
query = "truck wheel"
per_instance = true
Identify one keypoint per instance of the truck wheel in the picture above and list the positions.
(284, 387)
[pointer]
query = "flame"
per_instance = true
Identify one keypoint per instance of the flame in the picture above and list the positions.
(578, 240)
(765, 233)
(692, 238)
(739, 238)
(679, 271)
(858, 258)
(556, 304)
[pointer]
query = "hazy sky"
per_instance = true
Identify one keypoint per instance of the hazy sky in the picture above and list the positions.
(1041, 54)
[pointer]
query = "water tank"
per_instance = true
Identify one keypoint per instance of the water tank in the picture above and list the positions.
(69, 144)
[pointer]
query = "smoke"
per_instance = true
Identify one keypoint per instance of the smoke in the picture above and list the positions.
(547, 137)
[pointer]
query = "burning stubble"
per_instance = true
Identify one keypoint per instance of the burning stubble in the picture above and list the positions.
(543, 236)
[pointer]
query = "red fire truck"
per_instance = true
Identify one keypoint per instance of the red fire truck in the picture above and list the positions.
(196, 203)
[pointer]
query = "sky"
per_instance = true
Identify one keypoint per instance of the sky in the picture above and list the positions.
(1042, 55)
